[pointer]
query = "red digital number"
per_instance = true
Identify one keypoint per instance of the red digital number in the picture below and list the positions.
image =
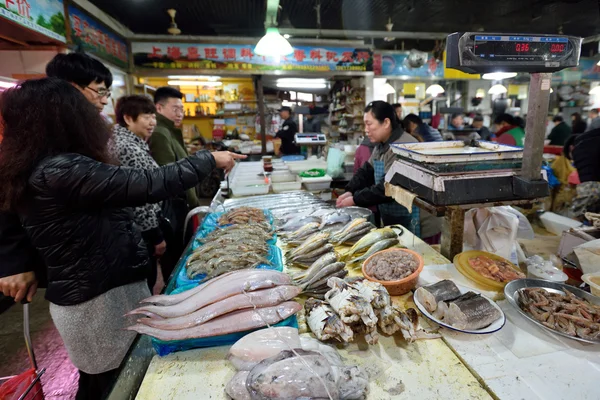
(522, 47)
(557, 48)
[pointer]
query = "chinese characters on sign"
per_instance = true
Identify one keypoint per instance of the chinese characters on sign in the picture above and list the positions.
(97, 39)
(43, 16)
(236, 57)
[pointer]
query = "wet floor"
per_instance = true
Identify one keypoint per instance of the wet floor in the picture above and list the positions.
(60, 379)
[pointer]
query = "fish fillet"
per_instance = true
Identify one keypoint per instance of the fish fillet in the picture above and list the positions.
(471, 311)
(431, 295)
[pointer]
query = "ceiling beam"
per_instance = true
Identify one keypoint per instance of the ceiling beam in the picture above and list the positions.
(241, 40)
(336, 33)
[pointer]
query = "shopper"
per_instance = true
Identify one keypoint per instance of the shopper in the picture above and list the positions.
(483, 131)
(287, 132)
(594, 119)
(311, 124)
(457, 122)
(560, 133)
(367, 186)
(398, 111)
(57, 174)
(507, 132)
(417, 128)
(586, 158)
(21, 268)
(578, 125)
(136, 120)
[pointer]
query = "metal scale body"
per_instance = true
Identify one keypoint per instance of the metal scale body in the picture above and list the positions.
(449, 178)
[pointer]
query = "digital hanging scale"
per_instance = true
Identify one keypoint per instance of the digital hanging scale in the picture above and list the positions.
(307, 139)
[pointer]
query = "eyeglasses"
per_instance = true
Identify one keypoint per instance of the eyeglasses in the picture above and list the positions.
(178, 110)
(102, 92)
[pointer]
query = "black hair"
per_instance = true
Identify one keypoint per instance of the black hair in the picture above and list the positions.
(557, 118)
(382, 110)
(509, 119)
(455, 115)
(166, 93)
(133, 106)
(478, 117)
(412, 118)
(520, 122)
(79, 68)
(396, 105)
(594, 110)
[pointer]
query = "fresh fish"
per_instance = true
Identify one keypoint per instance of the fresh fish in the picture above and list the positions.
(259, 298)
(341, 274)
(431, 295)
(297, 374)
(318, 252)
(349, 227)
(299, 222)
(336, 217)
(237, 321)
(325, 323)
(371, 239)
(261, 344)
(216, 290)
(320, 212)
(302, 233)
(311, 243)
(323, 273)
(236, 387)
(471, 311)
(359, 231)
(382, 245)
(323, 261)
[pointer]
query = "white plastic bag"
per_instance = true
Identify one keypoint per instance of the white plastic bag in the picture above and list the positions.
(496, 230)
(335, 162)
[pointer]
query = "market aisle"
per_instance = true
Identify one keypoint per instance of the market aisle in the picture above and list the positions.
(60, 379)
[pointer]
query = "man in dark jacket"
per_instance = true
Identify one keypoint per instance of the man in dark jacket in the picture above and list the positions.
(483, 131)
(560, 133)
(420, 130)
(287, 132)
(20, 265)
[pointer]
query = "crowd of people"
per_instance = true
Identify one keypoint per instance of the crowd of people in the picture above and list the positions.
(84, 206)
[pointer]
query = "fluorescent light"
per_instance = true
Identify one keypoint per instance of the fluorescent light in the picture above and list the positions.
(302, 85)
(498, 89)
(388, 89)
(434, 90)
(498, 76)
(194, 83)
(195, 77)
(301, 80)
(595, 90)
(273, 44)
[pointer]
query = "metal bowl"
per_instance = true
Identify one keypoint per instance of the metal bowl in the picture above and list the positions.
(512, 289)
(358, 212)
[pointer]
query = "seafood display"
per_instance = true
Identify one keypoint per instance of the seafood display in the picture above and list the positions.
(431, 295)
(229, 262)
(298, 236)
(497, 270)
(565, 313)
(234, 302)
(358, 307)
(352, 232)
(379, 246)
(391, 265)
(242, 215)
(314, 280)
(369, 240)
(276, 363)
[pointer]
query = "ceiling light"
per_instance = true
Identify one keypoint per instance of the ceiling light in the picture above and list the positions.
(498, 89)
(497, 76)
(273, 44)
(595, 90)
(287, 36)
(480, 93)
(301, 80)
(388, 89)
(598, 63)
(195, 77)
(302, 85)
(194, 83)
(434, 90)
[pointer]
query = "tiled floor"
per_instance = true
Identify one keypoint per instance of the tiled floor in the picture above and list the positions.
(60, 379)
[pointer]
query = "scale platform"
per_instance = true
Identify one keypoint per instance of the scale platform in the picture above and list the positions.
(454, 173)
(310, 139)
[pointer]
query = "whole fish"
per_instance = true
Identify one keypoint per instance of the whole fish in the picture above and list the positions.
(358, 233)
(318, 252)
(214, 290)
(370, 239)
(311, 243)
(382, 245)
(237, 321)
(302, 233)
(323, 261)
(336, 217)
(323, 281)
(259, 298)
(349, 226)
(326, 272)
(297, 223)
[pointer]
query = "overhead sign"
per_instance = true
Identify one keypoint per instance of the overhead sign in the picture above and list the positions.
(398, 64)
(242, 57)
(96, 38)
(44, 16)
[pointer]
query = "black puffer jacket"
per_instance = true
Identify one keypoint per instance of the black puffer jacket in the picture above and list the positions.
(75, 214)
(586, 156)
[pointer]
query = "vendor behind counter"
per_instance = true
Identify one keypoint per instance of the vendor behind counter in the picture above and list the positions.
(366, 188)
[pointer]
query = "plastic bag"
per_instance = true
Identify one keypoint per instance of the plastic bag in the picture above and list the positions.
(15, 387)
(335, 163)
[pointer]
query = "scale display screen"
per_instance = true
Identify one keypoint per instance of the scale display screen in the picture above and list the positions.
(520, 48)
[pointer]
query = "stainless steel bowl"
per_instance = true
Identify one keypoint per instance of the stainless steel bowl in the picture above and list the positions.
(358, 212)
(513, 288)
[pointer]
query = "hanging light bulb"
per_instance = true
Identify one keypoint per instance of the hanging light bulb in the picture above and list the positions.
(273, 44)
(480, 93)
(434, 90)
(498, 89)
(388, 89)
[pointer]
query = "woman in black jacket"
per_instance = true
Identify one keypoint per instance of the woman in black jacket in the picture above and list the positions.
(56, 173)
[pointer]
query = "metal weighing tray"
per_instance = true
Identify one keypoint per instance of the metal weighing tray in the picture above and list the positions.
(511, 291)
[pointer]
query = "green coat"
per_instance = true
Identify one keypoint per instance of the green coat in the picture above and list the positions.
(559, 134)
(167, 146)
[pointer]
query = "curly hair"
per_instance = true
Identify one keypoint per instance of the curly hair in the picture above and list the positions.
(43, 118)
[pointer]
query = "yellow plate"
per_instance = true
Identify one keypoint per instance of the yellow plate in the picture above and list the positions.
(461, 262)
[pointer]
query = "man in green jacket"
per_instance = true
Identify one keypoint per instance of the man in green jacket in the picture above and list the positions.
(166, 143)
(560, 133)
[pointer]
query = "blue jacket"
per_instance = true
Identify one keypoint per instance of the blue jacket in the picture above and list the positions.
(428, 133)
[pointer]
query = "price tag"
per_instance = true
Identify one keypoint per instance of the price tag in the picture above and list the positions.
(545, 84)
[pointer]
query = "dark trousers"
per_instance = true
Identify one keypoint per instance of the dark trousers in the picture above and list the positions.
(95, 386)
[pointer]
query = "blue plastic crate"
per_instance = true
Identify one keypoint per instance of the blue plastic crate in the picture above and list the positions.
(274, 257)
(166, 347)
